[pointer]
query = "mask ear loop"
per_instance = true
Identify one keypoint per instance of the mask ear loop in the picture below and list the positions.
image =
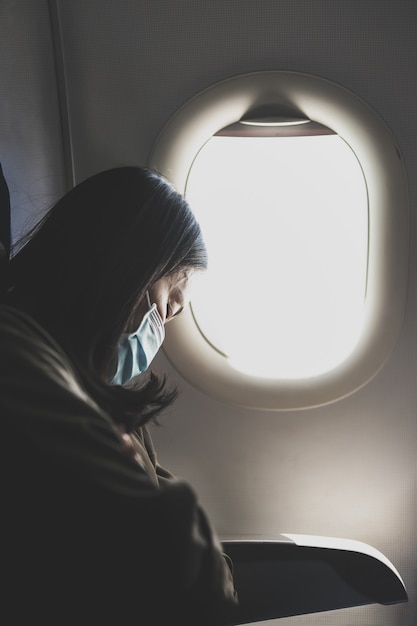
(155, 320)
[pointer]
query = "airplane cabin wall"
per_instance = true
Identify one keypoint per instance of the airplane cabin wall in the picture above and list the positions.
(88, 85)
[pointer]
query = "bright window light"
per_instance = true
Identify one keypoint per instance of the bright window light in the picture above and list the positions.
(307, 226)
(285, 220)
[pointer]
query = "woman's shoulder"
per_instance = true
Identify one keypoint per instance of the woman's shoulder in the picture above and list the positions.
(37, 376)
(28, 351)
(21, 334)
(17, 323)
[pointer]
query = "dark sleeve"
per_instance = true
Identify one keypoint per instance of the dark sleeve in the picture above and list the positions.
(85, 519)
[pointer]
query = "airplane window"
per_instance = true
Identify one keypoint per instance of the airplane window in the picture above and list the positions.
(285, 221)
(305, 215)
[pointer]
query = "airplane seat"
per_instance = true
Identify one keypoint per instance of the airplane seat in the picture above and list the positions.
(3, 263)
(5, 234)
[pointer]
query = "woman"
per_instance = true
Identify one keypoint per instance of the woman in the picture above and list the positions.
(94, 530)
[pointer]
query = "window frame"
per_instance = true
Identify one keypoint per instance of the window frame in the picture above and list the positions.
(334, 106)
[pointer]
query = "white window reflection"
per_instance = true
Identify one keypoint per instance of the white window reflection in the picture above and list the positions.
(286, 225)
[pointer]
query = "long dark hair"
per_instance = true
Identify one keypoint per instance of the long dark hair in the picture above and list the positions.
(89, 262)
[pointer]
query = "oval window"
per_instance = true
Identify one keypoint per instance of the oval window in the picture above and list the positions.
(304, 211)
(286, 225)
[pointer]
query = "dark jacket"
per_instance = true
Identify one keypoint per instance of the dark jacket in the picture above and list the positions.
(89, 534)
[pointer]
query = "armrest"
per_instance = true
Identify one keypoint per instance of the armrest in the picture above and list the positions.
(298, 574)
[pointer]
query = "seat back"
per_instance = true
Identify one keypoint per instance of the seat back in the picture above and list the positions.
(5, 233)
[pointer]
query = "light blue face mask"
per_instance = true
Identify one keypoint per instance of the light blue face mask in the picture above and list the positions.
(137, 350)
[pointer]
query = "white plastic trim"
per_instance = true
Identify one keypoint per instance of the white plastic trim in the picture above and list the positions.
(375, 147)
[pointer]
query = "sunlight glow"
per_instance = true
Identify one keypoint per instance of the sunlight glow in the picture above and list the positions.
(285, 220)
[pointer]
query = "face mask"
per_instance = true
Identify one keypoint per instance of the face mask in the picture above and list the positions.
(137, 350)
